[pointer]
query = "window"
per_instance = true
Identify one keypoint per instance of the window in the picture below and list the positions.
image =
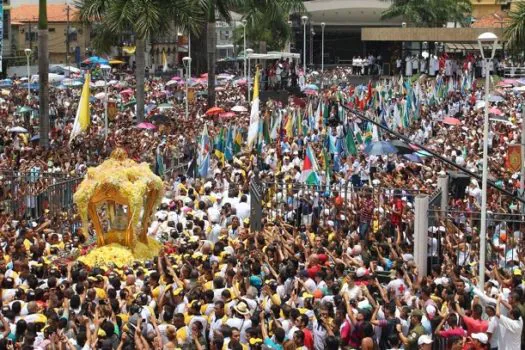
(73, 36)
(51, 30)
(6, 27)
(31, 36)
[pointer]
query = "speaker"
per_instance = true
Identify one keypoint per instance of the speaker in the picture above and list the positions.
(458, 183)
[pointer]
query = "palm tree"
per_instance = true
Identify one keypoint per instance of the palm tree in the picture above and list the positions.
(145, 18)
(429, 13)
(253, 11)
(515, 30)
(43, 72)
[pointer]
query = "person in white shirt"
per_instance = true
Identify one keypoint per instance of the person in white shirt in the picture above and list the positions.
(243, 208)
(510, 327)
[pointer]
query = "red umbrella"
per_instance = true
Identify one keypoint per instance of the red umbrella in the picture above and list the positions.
(204, 75)
(451, 121)
(126, 92)
(227, 115)
(214, 111)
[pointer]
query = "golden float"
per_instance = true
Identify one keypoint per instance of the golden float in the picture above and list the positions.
(118, 197)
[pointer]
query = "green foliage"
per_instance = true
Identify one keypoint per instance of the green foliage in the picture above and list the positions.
(515, 30)
(429, 13)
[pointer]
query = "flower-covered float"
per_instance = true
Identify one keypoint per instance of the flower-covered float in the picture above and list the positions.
(118, 197)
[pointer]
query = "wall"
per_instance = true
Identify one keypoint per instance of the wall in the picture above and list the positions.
(79, 36)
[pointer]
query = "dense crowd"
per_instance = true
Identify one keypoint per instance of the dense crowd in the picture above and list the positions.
(333, 265)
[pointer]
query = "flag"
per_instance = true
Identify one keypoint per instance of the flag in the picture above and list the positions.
(164, 61)
(253, 129)
(350, 143)
(310, 168)
(82, 119)
(513, 160)
(220, 145)
(358, 134)
(203, 162)
(228, 150)
(289, 125)
(237, 141)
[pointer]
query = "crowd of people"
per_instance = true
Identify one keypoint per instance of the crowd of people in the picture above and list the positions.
(333, 266)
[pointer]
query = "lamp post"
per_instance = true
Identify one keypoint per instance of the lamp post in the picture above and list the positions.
(488, 39)
(105, 73)
(312, 34)
(244, 46)
(290, 23)
(28, 56)
(187, 64)
(189, 54)
(249, 52)
(322, 54)
(305, 20)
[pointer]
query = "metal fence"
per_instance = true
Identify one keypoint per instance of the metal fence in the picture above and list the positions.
(456, 233)
(282, 198)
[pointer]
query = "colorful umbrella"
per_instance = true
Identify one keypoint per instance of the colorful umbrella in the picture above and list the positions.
(214, 111)
(127, 92)
(96, 60)
(25, 109)
(380, 148)
(227, 115)
(116, 62)
(451, 121)
(165, 106)
(160, 118)
(146, 126)
(413, 157)
(495, 111)
(496, 98)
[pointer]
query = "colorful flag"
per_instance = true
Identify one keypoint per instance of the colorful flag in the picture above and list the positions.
(350, 143)
(514, 158)
(253, 129)
(203, 161)
(237, 141)
(82, 119)
(228, 150)
(220, 145)
(310, 168)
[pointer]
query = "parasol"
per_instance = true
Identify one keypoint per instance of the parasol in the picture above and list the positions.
(380, 148)
(227, 115)
(146, 126)
(18, 129)
(239, 109)
(451, 121)
(214, 111)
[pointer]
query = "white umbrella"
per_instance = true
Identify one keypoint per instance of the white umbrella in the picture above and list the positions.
(112, 82)
(100, 83)
(71, 69)
(55, 78)
(239, 109)
(100, 95)
(480, 104)
(519, 88)
(171, 82)
(18, 129)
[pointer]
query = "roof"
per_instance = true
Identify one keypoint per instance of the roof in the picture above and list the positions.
(494, 20)
(55, 13)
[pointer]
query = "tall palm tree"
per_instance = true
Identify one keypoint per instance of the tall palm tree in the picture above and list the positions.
(43, 72)
(515, 30)
(146, 18)
(429, 13)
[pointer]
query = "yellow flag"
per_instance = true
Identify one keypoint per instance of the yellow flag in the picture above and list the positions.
(84, 104)
(164, 61)
(256, 85)
(289, 125)
(82, 118)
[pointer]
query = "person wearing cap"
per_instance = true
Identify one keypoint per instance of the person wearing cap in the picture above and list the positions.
(476, 341)
(424, 342)
(416, 331)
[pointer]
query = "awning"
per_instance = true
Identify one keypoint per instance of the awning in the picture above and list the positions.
(456, 47)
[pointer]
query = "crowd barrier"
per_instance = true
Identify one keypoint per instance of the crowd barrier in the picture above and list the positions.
(504, 237)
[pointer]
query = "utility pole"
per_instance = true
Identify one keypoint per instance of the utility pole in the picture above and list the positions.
(30, 34)
(67, 36)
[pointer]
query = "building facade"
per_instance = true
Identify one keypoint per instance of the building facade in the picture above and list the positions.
(68, 37)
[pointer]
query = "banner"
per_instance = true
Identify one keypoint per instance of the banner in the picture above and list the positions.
(514, 158)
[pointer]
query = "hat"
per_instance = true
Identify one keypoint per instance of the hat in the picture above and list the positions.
(424, 339)
(177, 291)
(241, 308)
(417, 312)
(481, 337)
(360, 272)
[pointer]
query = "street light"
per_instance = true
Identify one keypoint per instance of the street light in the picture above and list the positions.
(312, 34)
(290, 23)
(304, 19)
(187, 63)
(244, 47)
(105, 69)
(28, 55)
(249, 52)
(489, 39)
(322, 54)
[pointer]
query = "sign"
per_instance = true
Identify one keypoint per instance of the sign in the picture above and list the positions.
(112, 110)
(256, 193)
(514, 158)
(191, 95)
